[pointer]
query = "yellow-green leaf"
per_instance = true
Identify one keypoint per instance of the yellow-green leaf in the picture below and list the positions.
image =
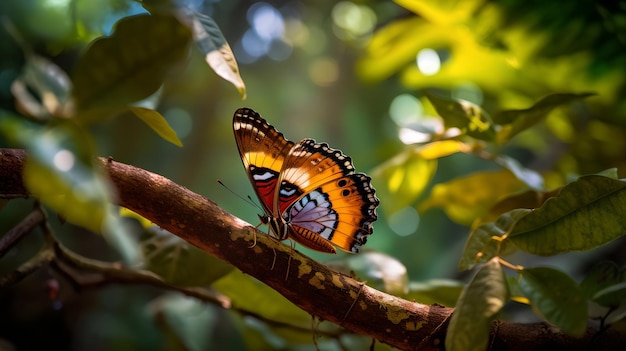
(526, 118)
(438, 149)
(403, 179)
(468, 117)
(442, 291)
(467, 198)
(217, 53)
(483, 297)
(381, 271)
(155, 121)
(490, 240)
(60, 172)
(587, 213)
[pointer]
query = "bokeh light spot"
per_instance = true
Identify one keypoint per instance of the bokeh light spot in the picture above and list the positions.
(64, 160)
(324, 71)
(428, 62)
(405, 108)
(405, 221)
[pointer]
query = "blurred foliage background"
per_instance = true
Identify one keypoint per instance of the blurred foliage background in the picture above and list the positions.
(349, 73)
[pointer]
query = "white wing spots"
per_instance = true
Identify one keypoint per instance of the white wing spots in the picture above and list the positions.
(262, 176)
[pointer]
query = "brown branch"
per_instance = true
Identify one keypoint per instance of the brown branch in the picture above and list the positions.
(310, 285)
(27, 224)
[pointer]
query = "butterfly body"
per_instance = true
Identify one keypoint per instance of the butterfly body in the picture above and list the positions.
(309, 191)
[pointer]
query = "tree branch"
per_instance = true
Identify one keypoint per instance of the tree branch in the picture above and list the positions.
(313, 287)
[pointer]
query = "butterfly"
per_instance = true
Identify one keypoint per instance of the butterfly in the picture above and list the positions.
(309, 192)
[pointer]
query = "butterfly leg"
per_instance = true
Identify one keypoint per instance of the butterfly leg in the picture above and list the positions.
(361, 284)
(254, 239)
(274, 260)
(292, 247)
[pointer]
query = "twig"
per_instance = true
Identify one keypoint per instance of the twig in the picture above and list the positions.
(19, 231)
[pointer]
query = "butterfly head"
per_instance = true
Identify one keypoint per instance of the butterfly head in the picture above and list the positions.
(278, 227)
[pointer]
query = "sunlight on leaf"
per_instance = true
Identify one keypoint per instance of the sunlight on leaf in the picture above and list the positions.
(131, 64)
(467, 198)
(379, 270)
(402, 180)
(489, 240)
(124, 212)
(468, 117)
(515, 294)
(155, 121)
(393, 47)
(438, 149)
(59, 172)
(483, 297)
(587, 213)
(520, 120)
(445, 12)
(557, 297)
(211, 42)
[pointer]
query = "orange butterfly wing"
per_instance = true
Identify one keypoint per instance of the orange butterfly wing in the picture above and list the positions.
(262, 149)
(345, 202)
(309, 191)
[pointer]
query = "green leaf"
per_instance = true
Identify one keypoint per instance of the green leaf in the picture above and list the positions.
(587, 213)
(155, 121)
(249, 294)
(602, 284)
(529, 199)
(611, 296)
(131, 64)
(189, 320)
(402, 179)
(209, 39)
(466, 198)
(468, 117)
(480, 301)
(520, 120)
(490, 240)
(170, 257)
(556, 297)
(442, 291)
(379, 270)
(60, 172)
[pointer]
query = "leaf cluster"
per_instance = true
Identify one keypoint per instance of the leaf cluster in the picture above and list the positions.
(117, 76)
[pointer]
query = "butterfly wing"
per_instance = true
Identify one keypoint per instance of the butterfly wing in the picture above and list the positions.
(262, 149)
(309, 191)
(332, 202)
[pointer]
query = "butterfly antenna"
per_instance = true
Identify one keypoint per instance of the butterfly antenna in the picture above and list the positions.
(247, 199)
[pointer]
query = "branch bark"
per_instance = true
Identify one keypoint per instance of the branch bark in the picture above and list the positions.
(313, 287)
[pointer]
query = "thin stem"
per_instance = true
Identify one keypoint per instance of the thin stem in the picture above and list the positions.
(19, 231)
